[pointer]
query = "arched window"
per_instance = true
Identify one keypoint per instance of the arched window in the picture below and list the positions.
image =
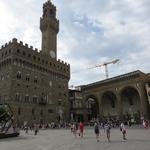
(18, 50)
(35, 79)
(24, 53)
(41, 112)
(19, 111)
(27, 98)
(33, 111)
(35, 99)
(112, 103)
(130, 101)
(17, 97)
(91, 108)
(90, 104)
(2, 77)
(27, 77)
(29, 55)
(18, 75)
(34, 57)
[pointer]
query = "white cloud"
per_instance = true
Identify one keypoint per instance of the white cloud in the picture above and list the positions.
(6, 17)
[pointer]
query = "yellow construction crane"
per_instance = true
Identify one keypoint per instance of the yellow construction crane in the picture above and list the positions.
(105, 65)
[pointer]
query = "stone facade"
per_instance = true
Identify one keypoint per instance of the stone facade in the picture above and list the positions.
(34, 83)
(117, 97)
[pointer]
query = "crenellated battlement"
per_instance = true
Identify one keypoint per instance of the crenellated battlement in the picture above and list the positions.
(62, 62)
(6, 45)
(25, 46)
(20, 43)
(31, 47)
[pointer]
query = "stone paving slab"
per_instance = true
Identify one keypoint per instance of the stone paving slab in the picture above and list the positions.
(138, 139)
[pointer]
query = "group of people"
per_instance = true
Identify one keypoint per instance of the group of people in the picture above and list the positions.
(107, 128)
(35, 128)
(78, 129)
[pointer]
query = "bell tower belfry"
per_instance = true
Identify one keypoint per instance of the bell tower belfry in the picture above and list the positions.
(49, 26)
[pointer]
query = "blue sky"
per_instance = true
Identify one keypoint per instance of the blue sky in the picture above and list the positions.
(91, 32)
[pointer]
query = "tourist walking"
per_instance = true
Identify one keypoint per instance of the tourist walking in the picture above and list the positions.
(71, 127)
(107, 129)
(129, 123)
(123, 130)
(26, 129)
(96, 130)
(36, 129)
(145, 124)
(74, 129)
(81, 129)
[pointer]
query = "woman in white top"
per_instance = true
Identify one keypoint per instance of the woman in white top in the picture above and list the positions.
(123, 130)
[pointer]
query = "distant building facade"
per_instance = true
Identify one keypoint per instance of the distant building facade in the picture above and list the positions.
(35, 84)
(125, 96)
(76, 105)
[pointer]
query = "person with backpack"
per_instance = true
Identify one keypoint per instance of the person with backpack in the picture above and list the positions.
(36, 129)
(107, 129)
(96, 130)
(123, 130)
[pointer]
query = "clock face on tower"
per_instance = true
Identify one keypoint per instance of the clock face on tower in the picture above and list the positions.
(52, 54)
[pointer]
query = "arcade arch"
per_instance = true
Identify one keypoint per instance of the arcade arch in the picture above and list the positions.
(109, 104)
(92, 107)
(131, 101)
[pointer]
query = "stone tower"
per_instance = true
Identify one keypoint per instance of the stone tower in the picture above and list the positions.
(49, 26)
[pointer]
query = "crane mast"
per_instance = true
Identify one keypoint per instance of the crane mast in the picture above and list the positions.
(106, 71)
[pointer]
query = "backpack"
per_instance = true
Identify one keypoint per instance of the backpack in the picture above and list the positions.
(96, 127)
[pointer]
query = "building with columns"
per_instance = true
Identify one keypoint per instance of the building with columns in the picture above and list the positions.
(34, 82)
(124, 96)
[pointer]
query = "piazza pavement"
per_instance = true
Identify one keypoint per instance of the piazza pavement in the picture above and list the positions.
(62, 139)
